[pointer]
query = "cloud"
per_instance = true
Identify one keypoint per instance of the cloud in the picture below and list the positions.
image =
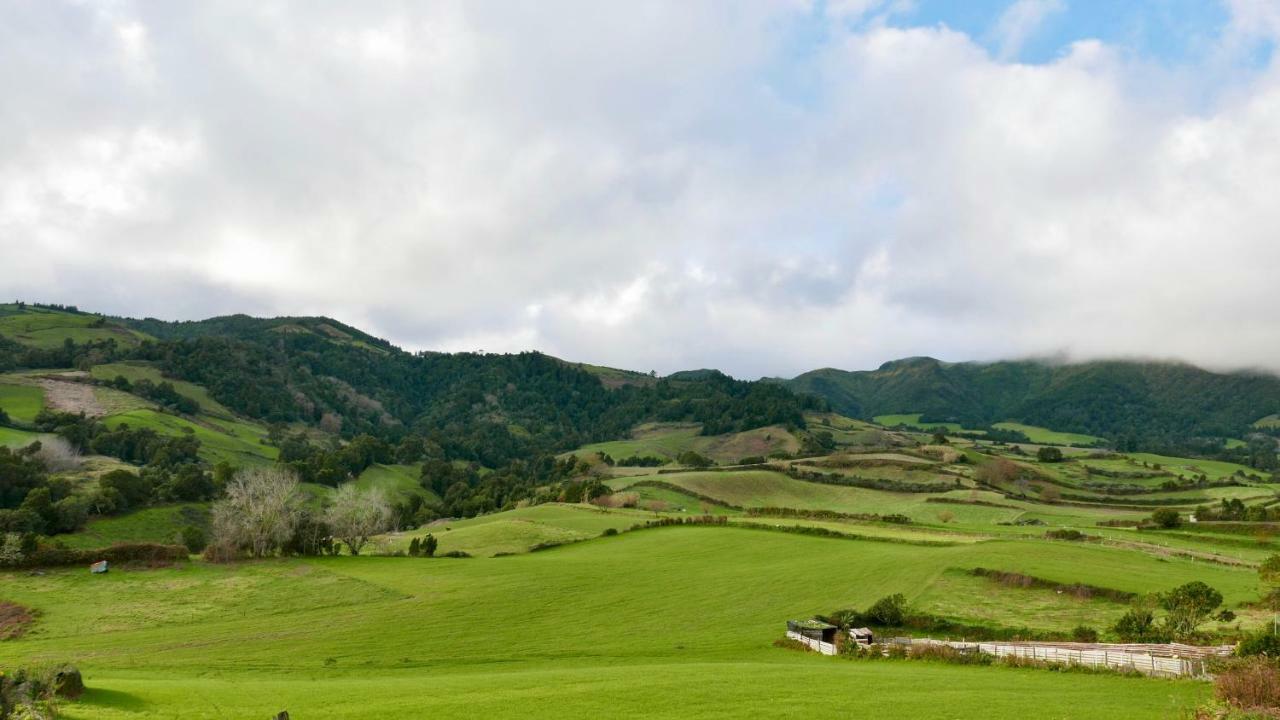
(1020, 21)
(633, 189)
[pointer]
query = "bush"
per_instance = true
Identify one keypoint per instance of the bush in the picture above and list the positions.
(888, 611)
(1262, 643)
(1166, 518)
(1084, 634)
(1251, 685)
(193, 538)
(1065, 534)
(1049, 455)
(609, 532)
(120, 553)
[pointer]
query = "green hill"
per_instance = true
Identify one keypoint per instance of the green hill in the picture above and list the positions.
(1145, 402)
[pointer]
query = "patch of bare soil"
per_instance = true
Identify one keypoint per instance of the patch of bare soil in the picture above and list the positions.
(14, 620)
(71, 397)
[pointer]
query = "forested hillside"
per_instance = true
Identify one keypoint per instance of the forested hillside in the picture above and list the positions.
(1131, 403)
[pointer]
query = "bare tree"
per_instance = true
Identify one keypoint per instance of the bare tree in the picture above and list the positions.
(57, 455)
(356, 515)
(259, 512)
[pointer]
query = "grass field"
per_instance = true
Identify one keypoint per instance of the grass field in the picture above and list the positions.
(667, 440)
(153, 525)
(670, 623)
(135, 371)
(395, 480)
(50, 328)
(21, 402)
(913, 420)
(14, 438)
(1045, 436)
(235, 441)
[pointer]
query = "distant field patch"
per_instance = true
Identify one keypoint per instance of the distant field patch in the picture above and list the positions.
(44, 328)
(395, 480)
(21, 402)
(1270, 421)
(14, 438)
(913, 420)
(151, 525)
(236, 442)
(134, 371)
(1045, 436)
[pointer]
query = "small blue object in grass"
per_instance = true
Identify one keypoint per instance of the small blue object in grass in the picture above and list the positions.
(98, 567)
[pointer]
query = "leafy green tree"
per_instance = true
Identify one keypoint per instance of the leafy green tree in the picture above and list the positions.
(429, 545)
(1049, 454)
(888, 611)
(415, 547)
(1137, 625)
(694, 459)
(1187, 606)
(1166, 518)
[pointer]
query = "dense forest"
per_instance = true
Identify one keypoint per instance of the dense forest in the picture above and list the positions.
(1136, 405)
(485, 427)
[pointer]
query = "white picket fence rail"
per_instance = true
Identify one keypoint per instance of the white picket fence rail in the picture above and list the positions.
(823, 647)
(1166, 661)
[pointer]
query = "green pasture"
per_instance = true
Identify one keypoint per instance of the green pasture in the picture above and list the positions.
(51, 328)
(670, 622)
(1045, 436)
(913, 420)
(14, 438)
(134, 371)
(235, 441)
(395, 480)
(150, 525)
(21, 402)
(667, 440)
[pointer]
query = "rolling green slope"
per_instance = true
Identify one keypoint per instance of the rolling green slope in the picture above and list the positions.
(667, 623)
(1111, 399)
(50, 328)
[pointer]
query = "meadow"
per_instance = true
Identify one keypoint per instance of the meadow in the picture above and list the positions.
(670, 622)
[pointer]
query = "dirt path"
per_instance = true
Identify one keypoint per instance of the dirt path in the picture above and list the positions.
(71, 397)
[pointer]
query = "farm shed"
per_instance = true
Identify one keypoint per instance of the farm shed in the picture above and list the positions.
(815, 634)
(862, 636)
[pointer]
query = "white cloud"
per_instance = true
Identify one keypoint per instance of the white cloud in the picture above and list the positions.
(1020, 21)
(625, 188)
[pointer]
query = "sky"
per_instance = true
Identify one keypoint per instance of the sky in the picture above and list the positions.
(760, 187)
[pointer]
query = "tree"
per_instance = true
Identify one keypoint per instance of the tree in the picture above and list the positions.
(693, 459)
(415, 547)
(1188, 606)
(946, 516)
(1049, 455)
(1269, 571)
(996, 471)
(259, 512)
(1166, 518)
(429, 545)
(356, 515)
(1138, 624)
(888, 611)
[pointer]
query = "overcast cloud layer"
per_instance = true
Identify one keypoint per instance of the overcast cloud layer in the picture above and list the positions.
(764, 188)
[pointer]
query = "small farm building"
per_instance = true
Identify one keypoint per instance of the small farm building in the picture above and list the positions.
(814, 630)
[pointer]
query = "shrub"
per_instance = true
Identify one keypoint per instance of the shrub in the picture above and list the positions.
(1262, 643)
(1084, 634)
(609, 532)
(1166, 518)
(1065, 534)
(14, 620)
(1137, 625)
(1250, 685)
(1049, 455)
(888, 611)
(193, 538)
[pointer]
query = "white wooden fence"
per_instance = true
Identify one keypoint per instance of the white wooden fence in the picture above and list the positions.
(823, 647)
(1158, 660)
